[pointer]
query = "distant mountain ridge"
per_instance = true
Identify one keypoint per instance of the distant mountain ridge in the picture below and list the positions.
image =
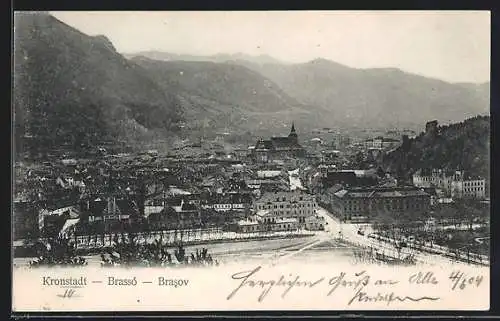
(220, 57)
(389, 97)
(380, 97)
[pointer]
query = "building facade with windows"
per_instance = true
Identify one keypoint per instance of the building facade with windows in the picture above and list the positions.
(436, 178)
(226, 202)
(290, 204)
(366, 203)
(264, 221)
(455, 184)
(469, 188)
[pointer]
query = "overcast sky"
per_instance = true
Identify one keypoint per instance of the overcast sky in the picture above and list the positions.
(453, 46)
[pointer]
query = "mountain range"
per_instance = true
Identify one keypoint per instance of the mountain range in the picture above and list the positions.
(388, 97)
(225, 96)
(72, 89)
(220, 57)
(385, 97)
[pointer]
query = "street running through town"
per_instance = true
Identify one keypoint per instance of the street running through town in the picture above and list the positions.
(349, 232)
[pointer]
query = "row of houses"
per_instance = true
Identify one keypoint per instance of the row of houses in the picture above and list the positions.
(184, 211)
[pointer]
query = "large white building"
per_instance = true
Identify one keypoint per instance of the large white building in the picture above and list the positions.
(454, 184)
(364, 203)
(471, 188)
(291, 204)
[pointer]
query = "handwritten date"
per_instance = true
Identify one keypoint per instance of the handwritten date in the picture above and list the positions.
(460, 280)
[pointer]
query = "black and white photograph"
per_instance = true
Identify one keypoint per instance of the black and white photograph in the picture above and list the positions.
(251, 160)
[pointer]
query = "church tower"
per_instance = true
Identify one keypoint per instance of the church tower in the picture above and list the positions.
(293, 134)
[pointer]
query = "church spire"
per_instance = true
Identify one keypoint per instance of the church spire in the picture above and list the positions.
(293, 135)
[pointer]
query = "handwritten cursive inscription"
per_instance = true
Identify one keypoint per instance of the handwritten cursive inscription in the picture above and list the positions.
(267, 285)
(68, 294)
(361, 296)
(423, 278)
(359, 283)
(460, 280)
(360, 280)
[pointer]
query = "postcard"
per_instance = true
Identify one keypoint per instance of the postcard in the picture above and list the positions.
(251, 160)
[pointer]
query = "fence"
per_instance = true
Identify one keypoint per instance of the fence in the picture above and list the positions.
(174, 237)
(387, 251)
(428, 247)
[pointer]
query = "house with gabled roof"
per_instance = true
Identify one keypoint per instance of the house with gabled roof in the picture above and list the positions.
(111, 210)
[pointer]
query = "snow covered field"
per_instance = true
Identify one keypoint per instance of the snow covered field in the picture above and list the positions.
(274, 251)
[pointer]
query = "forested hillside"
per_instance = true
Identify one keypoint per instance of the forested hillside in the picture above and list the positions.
(464, 145)
(75, 90)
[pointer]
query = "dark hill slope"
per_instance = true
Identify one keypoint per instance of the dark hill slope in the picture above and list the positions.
(225, 95)
(464, 145)
(74, 90)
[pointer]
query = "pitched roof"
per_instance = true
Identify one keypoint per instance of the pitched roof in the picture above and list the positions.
(264, 144)
(281, 141)
(263, 213)
(232, 198)
(127, 206)
(289, 195)
(334, 189)
(246, 222)
(380, 192)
